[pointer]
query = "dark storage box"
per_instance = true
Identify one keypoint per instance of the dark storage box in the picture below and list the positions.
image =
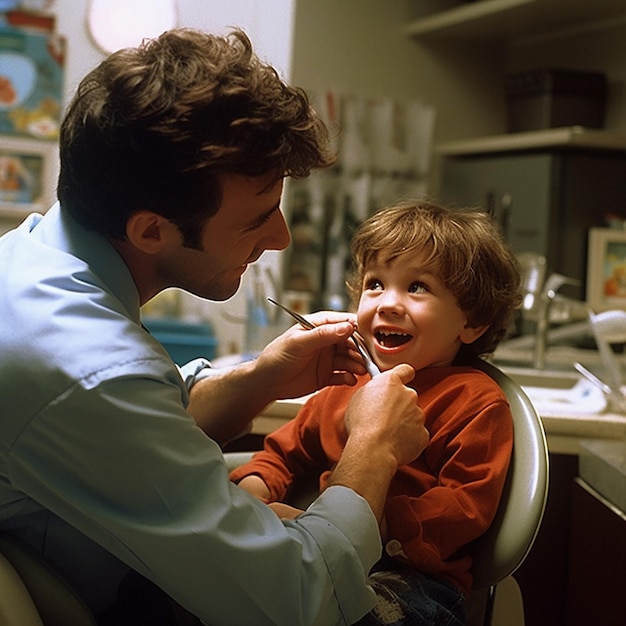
(547, 98)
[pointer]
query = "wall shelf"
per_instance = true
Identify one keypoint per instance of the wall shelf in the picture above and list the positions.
(568, 137)
(503, 20)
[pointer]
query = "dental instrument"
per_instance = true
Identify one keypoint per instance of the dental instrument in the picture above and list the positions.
(370, 366)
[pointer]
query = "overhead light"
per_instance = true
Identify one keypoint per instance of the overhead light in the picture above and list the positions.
(116, 24)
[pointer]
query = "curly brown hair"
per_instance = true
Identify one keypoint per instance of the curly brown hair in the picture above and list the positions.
(153, 126)
(463, 247)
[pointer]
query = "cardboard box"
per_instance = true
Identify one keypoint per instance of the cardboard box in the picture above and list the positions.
(549, 98)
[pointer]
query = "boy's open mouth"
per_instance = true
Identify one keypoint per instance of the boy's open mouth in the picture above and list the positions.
(391, 338)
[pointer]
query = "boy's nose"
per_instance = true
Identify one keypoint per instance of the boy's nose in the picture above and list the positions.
(390, 303)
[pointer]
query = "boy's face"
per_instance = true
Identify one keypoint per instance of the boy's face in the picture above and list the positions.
(407, 315)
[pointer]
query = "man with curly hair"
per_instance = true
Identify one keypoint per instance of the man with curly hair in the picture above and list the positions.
(173, 156)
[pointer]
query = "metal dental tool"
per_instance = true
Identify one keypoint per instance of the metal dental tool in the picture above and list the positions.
(610, 327)
(592, 378)
(370, 366)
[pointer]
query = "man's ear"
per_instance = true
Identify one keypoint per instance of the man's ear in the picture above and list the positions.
(148, 231)
(469, 335)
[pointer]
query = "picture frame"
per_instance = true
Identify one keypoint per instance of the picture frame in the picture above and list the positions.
(606, 269)
(28, 171)
(31, 81)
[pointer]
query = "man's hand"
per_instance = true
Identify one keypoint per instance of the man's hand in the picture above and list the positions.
(295, 364)
(301, 361)
(386, 430)
(385, 411)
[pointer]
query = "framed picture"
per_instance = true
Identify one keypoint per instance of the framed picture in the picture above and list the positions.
(31, 82)
(28, 171)
(606, 269)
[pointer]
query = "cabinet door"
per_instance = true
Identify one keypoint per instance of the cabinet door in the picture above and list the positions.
(517, 189)
(597, 563)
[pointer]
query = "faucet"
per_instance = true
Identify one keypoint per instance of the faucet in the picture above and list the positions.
(552, 285)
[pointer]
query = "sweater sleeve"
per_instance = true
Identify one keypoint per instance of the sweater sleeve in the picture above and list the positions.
(433, 525)
(291, 451)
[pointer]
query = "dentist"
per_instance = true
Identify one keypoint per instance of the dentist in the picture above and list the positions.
(173, 157)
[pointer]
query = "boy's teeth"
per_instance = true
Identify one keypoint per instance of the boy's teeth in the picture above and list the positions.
(391, 338)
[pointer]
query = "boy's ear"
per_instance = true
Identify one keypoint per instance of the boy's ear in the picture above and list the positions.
(469, 335)
(148, 231)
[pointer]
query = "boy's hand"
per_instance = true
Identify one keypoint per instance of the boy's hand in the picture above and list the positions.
(284, 511)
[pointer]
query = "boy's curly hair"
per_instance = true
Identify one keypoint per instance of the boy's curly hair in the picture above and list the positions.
(462, 247)
(153, 126)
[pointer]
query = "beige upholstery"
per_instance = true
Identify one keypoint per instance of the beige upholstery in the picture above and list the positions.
(16, 606)
(41, 597)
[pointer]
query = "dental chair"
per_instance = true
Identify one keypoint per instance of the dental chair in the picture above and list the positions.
(500, 551)
(32, 594)
(16, 606)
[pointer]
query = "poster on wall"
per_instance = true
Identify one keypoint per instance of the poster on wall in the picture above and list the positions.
(606, 269)
(31, 82)
(27, 175)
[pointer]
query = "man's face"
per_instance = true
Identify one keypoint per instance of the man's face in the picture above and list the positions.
(248, 222)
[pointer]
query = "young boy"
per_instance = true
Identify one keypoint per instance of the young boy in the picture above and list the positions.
(437, 289)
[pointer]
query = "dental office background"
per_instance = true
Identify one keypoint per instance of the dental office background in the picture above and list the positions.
(388, 100)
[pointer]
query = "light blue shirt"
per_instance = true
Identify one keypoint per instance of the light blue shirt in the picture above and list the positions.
(102, 468)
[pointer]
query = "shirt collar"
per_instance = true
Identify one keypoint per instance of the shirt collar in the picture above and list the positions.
(58, 229)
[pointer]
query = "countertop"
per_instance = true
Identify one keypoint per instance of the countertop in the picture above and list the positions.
(564, 432)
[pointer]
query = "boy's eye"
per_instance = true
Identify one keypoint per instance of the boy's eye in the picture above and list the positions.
(417, 287)
(373, 284)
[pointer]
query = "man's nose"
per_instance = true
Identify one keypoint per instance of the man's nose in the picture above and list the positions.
(277, 235)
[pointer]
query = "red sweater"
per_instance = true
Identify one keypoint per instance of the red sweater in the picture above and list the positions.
(435, 505)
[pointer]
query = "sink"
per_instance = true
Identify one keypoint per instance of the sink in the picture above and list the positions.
(562, 392)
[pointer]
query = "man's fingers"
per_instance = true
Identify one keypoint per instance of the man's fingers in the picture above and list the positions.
(405, 372)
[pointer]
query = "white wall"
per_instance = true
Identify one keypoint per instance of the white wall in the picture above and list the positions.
(360, 46)
(269, 23)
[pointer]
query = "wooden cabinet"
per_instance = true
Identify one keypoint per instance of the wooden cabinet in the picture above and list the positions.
(597, 560)
(542, 577)
(575, 572)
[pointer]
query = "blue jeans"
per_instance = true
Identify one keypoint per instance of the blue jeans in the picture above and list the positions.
(407, 597)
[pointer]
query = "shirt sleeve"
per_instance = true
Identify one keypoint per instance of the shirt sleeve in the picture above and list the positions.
(195, 370)
(120, 460)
